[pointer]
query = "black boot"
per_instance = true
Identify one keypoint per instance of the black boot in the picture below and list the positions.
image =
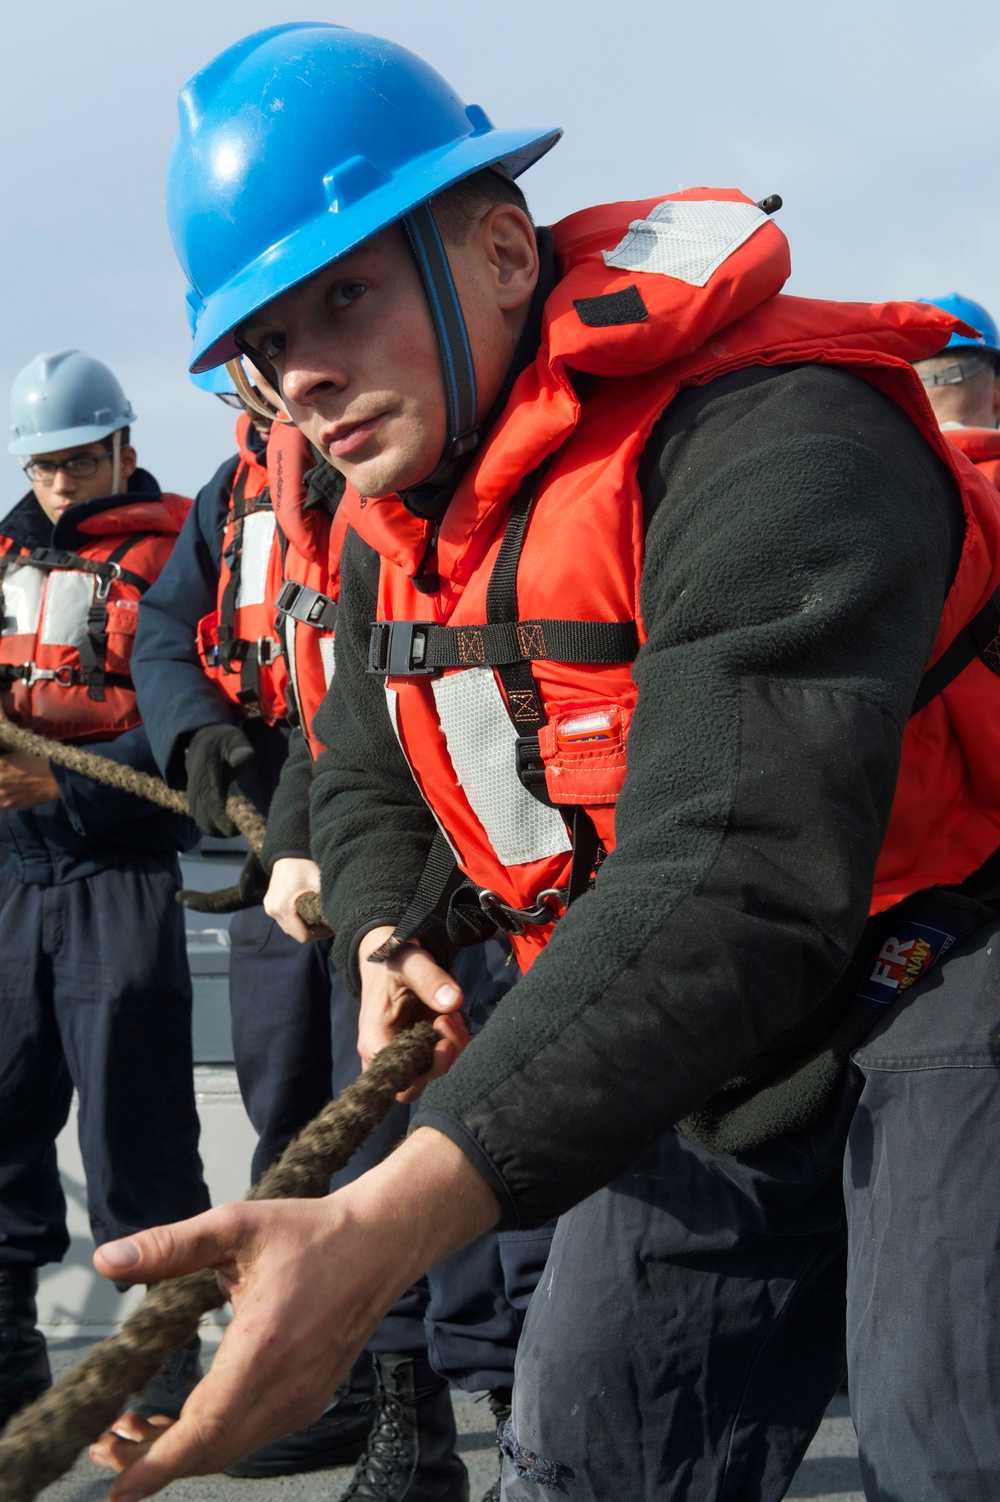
(410, 1455)
(499, 1402)
(336, 1438)
(173, 1384)
(24, 1361)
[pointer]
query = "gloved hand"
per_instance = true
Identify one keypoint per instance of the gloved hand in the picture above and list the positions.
(247, 892)
(211, 761)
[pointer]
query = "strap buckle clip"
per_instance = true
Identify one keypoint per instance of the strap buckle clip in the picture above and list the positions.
(30, 674)
(514, 920)
(398, 649)
(268, 650)
(103, 581)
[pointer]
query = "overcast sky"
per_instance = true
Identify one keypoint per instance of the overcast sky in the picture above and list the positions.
(878, 123)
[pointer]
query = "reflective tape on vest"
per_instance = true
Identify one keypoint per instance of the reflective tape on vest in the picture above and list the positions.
(255, 553)
(481, 743)
(67, 600)
(688, 241)
(22, 598)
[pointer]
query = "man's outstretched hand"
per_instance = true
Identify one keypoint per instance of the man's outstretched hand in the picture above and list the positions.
(309, 1280)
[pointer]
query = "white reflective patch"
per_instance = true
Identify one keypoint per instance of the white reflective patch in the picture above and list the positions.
(481, 739)
(67, 600)
(258, 537)
(22, 601)
(686, 240)
(326, 652)
(392, 704)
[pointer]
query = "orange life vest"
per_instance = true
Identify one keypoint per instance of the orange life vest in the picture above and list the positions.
(529, 682)
(237, 643)
(307, 602)
(982, 446)
(69, 620)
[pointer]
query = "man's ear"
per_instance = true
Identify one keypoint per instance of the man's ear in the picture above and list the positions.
(509, 239)
(129, 462)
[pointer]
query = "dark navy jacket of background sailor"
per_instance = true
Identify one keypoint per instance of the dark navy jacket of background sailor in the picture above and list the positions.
(92, 828)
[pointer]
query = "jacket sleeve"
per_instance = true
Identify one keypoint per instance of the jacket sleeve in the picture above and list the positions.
(176, 697)
(793, 584)
(371, 830)
(288, 816)
(101, 812)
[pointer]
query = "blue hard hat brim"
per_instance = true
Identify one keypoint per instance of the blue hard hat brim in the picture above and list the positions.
(68, 438)
(332, 235)
(962, 341)
(217, 381)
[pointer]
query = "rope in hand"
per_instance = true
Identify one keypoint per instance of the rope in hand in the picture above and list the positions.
(41, 1442)
(143, 785)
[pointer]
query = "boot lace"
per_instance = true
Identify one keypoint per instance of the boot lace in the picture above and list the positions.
(386, 1455)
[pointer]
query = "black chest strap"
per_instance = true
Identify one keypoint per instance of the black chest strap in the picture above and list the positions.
(980, 638)
(94, 647)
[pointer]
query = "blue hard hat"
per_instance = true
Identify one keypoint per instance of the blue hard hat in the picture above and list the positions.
(63, 400)
(297, 144)
(969, 312)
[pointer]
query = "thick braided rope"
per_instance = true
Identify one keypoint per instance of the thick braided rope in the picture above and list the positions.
(143, 785)
(41, 1443)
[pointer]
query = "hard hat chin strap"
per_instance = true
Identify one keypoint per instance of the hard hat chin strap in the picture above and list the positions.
(251, 397)
(457, 368)
(962, 368)
(116, 460)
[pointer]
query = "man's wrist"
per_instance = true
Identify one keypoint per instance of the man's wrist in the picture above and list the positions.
(427, 1200)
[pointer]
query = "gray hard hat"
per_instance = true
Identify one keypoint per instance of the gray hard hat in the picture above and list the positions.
(63, 400)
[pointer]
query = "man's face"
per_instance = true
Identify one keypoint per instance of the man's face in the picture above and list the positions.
(357, 357)
(56, 492)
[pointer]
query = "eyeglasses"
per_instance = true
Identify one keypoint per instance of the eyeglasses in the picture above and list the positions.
(81, 467)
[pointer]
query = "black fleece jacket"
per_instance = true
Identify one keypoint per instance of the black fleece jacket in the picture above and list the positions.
(801, 540)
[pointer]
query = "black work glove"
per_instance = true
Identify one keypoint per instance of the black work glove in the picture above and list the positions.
(211, 761)
(248, 892)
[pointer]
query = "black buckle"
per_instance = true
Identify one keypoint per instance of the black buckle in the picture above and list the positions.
(528, 761)
(287, 596)
(397, 649)
(306, 605)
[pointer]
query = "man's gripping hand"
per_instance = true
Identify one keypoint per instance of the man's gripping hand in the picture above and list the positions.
(212, 759)
(26, 781)
(398, 992)
(291, 878)
(309, 1280)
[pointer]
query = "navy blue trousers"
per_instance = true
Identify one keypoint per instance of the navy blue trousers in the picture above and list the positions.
(924, 1273)
(95, 993)
(295, 1028)
(688, 1331)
